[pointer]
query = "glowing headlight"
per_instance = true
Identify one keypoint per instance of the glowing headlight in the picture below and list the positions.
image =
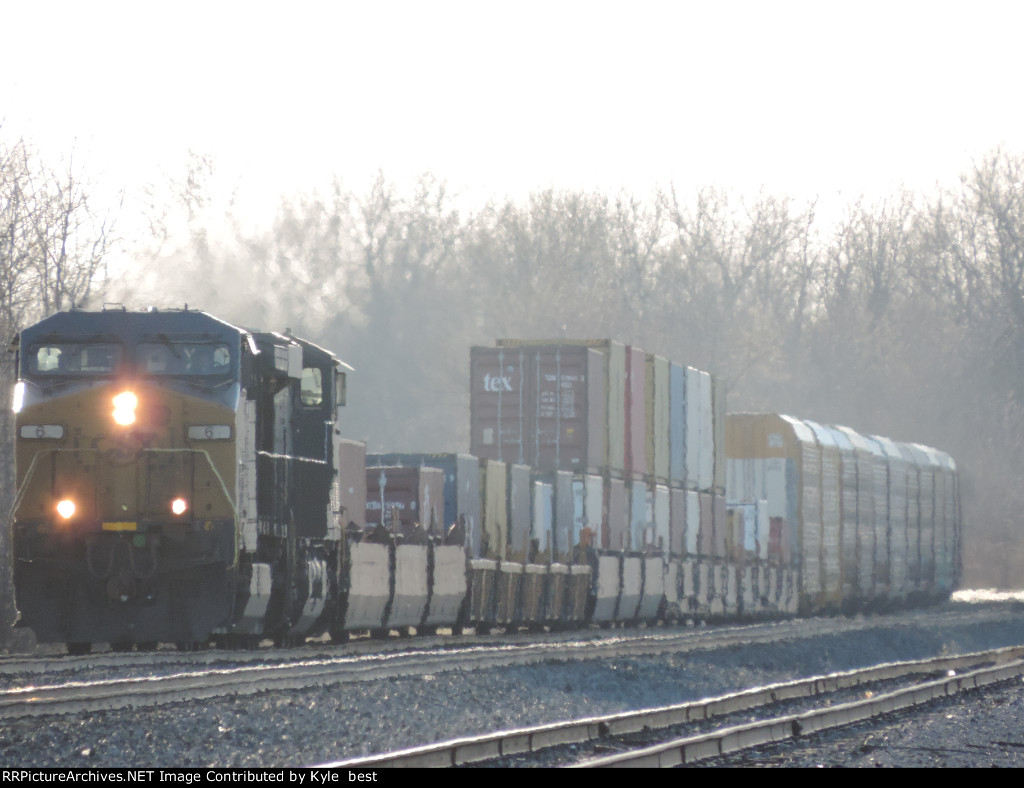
(66, 508)
(179, 505)
(19, 396)
(124, 408)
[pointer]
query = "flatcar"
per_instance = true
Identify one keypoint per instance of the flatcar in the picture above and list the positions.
(184, 480)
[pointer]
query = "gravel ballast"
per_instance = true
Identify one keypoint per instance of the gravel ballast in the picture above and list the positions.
(350, 720)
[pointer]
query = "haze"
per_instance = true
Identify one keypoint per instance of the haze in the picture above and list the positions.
(801, 98)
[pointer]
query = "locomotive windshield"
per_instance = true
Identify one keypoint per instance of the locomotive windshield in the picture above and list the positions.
(88, 359)
(74, 358)
(184, 358)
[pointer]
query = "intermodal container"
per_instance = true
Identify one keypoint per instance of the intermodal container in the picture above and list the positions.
(617, 514)
(662, 505)
(677, 424)
(494, 518)
(639, 521)
(718, 403)
(657, 391)
(677, 521)
(569, 417)
(461, 488)
(543, 518)
(588, 512)
(636, 411)
(569, 413)
(518, 512)
(564, 514)
(416, 495)
(499, 403)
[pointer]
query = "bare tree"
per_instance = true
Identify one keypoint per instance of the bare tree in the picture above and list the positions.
(53, 247)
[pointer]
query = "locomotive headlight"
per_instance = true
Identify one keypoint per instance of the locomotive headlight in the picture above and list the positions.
(125, 404)
(19, 396)
(179, 505)
(66, 508)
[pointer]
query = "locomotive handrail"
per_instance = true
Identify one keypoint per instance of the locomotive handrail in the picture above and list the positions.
(35, 459)
(213, 467)
(28, 475)
(271, 455)
(223, 487)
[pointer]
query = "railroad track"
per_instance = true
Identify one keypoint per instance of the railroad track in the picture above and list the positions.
(686, 638)
(651, 737)
(205, 681)
(166, 678)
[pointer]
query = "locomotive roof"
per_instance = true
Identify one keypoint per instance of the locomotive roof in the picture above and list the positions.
(131, 325)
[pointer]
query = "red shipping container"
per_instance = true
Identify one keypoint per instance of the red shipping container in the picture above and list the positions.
(415, 494)
(636, 411)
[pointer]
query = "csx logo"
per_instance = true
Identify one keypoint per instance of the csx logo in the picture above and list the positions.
(497, 383)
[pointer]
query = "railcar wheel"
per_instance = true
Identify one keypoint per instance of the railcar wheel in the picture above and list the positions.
(147, 645)
(191, 645)
(339, 636)
(77, 648)
(121, 646)
(289, 641)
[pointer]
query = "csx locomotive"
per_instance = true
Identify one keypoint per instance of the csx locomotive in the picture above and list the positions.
(176, 477)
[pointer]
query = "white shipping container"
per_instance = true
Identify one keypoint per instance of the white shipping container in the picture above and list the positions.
(661, 518)
(718, 389)
(692, 521)
(638, 514)
(658, 416)
(693, 428)
(588, 503)
(543, 516)
(706, 472)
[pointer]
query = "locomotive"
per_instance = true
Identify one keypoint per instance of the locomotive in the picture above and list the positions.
(176, 476)
(181, 479)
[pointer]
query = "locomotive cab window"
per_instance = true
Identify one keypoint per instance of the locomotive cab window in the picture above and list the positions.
(73, 358)
(183, 358)
(312, 387)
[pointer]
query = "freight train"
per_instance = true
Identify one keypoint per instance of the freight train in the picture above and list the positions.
(184, 480)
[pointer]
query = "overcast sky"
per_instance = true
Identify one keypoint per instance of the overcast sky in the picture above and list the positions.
(501, 98)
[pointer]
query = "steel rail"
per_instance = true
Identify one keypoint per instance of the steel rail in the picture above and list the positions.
(107, 694)
(689, 639)
(692, 749)
(207, 683)
(487, 747)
